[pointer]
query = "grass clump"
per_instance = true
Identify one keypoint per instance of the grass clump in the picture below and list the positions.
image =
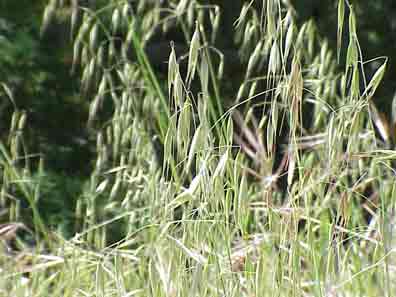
(283, 190)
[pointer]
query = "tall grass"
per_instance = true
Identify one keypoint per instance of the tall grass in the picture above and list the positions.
(285, 190)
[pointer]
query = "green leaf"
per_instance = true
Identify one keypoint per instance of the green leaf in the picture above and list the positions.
(375, 81)
(341, 14)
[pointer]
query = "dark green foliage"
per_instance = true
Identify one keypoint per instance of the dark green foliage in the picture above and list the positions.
(377, 34)
(37, 72)
(57, 202)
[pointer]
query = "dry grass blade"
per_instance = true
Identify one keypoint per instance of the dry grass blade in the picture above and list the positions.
(199, 258)
(340, 26)
(380, 122)
(8, 231)
(252, 139)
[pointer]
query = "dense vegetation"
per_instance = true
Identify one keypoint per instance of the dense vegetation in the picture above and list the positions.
(174, 148)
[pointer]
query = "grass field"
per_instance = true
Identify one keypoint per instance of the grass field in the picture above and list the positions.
(277, 182)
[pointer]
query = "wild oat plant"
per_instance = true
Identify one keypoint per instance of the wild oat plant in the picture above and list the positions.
(267, 182)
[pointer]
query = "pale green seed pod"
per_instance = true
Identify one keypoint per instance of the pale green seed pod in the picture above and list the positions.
(252, 89)
(84, 56)
(124, 102)
(99, 141)
(301, 36)
(76, 54)
(99, 162)
(172, 69)
(178, 93)
(204, 75)
(101, 57)
(14, 122)
(109, 135)
(241, 92)
(93, 109)
(91, 69)
(112, 52)
(220, 70)
(254, 59)
(289, 40)
(117, 140)
(193, 54)
(128, 119)
(116, 20)
(15, 148)
(22, 121)
(115, 189)
(274, 59)
(49, 13)
(215, 21)
(102, 87)
(3, 196)
(181, 7)
(126, 137)
(93, 38)
(201, 16)
(74, 18)
(84, 28)
(104, 153)
(126, 10)
(191, 14)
